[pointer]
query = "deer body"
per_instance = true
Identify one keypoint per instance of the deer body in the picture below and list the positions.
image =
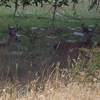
(12, 39)
(64, 47)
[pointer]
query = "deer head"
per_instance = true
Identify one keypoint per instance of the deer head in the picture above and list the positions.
(89, 33)
(12, 33)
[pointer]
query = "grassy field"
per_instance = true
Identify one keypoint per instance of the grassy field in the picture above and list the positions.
(28, 73)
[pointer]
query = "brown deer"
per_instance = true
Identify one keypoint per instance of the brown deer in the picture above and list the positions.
(65, 48)
(12, 38)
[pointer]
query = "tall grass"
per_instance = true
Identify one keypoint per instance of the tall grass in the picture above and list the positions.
(58, 85)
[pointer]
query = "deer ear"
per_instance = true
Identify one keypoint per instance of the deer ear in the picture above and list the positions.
(85, 29)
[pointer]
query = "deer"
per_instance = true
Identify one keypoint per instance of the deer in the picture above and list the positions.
(64, 48)
(12, 39)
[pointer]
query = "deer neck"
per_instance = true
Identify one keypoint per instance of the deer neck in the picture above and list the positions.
(88, 44)
(9, 43)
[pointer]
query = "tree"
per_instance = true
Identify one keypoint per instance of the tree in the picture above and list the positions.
(54, 4)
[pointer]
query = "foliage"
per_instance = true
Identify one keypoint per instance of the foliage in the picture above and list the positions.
(89, 66)
(54, 4)
(30, 2)
(75, 1)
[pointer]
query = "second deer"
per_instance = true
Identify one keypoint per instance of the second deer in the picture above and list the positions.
(12, 38)
(64, 47)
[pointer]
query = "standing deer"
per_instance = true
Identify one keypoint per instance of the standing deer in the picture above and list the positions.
(12, 38)
(65, 48)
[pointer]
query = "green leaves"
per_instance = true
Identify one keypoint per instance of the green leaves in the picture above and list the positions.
(75, 1)
(8, 6)
(63, 2)
(36, 2)
(30, 2)
(26, 3)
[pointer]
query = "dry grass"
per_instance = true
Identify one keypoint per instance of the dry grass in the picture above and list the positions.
(73, 91)
(56, 86)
